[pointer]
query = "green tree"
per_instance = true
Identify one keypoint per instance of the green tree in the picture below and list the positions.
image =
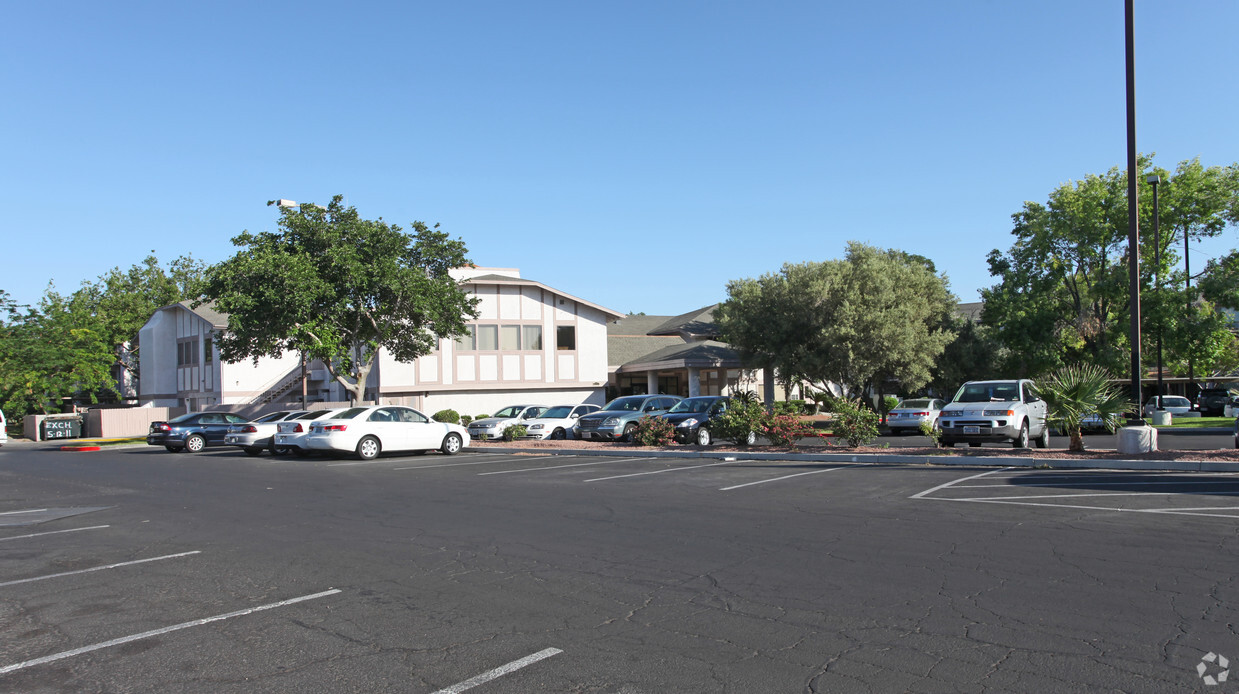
(1219, 283)
(874, 316)
(974, 355)
(1063, 293)
(47, 356)
(340, 288)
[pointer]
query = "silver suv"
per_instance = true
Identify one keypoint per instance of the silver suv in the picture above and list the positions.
(1001, 411)
(617, 420)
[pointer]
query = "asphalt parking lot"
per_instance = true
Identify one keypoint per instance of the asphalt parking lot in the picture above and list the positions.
(140, 570)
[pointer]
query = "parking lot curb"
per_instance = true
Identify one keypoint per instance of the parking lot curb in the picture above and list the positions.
(896, 459)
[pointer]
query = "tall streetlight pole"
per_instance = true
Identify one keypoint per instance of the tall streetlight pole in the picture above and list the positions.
(1133, 222)
(1153, 180)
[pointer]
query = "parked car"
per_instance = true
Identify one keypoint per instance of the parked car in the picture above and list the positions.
(4, 431)
(691, 418)
(259, 434)
(492, 427)
(368, 431)
(1211, 402)
(192, 432)
(1002, 411)
(557, 422)
(290, 433)
(909, 414)
(617, 420)
(1174, 404)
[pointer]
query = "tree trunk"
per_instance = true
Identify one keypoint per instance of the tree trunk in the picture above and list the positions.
(1077, 441)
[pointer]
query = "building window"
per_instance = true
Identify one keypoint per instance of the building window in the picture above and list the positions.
(510, 337)
(533, 337)
(208, 351)
(488, 337)
(468, 340)
(565, 337)
(187, 352)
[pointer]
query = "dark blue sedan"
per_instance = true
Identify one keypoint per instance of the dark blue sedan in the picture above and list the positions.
(193, 432)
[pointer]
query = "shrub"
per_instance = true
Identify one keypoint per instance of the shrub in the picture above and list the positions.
(448, 416)
(514, 432)
(741, 419)
(784, 429)
(855, 423)
(465, 419)
(653, 431)
(889, 403)
(934, 433)
(480, 416)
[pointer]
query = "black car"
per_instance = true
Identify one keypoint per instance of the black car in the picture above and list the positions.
(193, 432)
(691, 418)
(1212, 401)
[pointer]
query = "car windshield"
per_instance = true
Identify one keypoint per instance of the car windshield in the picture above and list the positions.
(508, 412)
(914, 404)
(556, 412)
(271, 417)
(1006, 391)
(183, 418)
(629, 404)
(692, 405)
(349, 413)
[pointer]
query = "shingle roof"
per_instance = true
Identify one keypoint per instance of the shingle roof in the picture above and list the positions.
(699, 323)
(707, 353)
(207, 313)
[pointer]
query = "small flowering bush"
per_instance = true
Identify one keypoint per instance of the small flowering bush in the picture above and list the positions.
(855, 423)
(653, 431)
(514, 432)
(784, 429)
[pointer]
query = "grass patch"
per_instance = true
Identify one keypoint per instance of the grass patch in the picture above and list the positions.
(1200, 422)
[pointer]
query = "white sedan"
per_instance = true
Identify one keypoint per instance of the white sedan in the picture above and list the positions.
(557, 422)
(1174, 404)
(368, 431)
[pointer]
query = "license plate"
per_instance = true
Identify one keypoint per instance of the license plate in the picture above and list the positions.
(972, 430)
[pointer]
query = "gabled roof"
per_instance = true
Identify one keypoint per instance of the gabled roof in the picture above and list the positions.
(699, 323)
(206, 312)
(703, 354)
(522, 282)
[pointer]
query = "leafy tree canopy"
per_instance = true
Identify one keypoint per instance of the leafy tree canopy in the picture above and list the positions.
(339, 288)
(1063, 291)
(875, 315)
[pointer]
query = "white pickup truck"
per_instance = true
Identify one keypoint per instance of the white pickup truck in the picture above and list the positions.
(997, 411)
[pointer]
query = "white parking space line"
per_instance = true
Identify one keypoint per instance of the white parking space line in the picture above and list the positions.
(53, 532)
(1163, 483)
(497, 461)
(29, 510)
(159, 632)
(1118, 509)
(98, 568)
(500, 671)
(557, 467)
(674, 469)
(777, 479)
(927, 492)
(389, 460)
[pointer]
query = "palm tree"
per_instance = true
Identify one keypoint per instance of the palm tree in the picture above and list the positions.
(1074, 393)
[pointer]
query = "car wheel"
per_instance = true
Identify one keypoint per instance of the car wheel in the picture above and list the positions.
(277, 450)
(750, 439)
(974, 444)
(368, 448)
(948, 444)
(178, 449)
(1021, 439)
(452, 444)
(1043, 441)
(195, 443)
(703, 437)
(629, 432)
(252, 450)
(559, 434)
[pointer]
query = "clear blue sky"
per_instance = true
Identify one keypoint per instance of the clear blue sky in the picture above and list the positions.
(636, 154)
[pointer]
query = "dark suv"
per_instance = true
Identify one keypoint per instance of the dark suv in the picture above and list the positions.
(1212, 401)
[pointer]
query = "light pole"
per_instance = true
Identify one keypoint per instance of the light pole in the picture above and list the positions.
(1153, 180)
(1133, 222)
